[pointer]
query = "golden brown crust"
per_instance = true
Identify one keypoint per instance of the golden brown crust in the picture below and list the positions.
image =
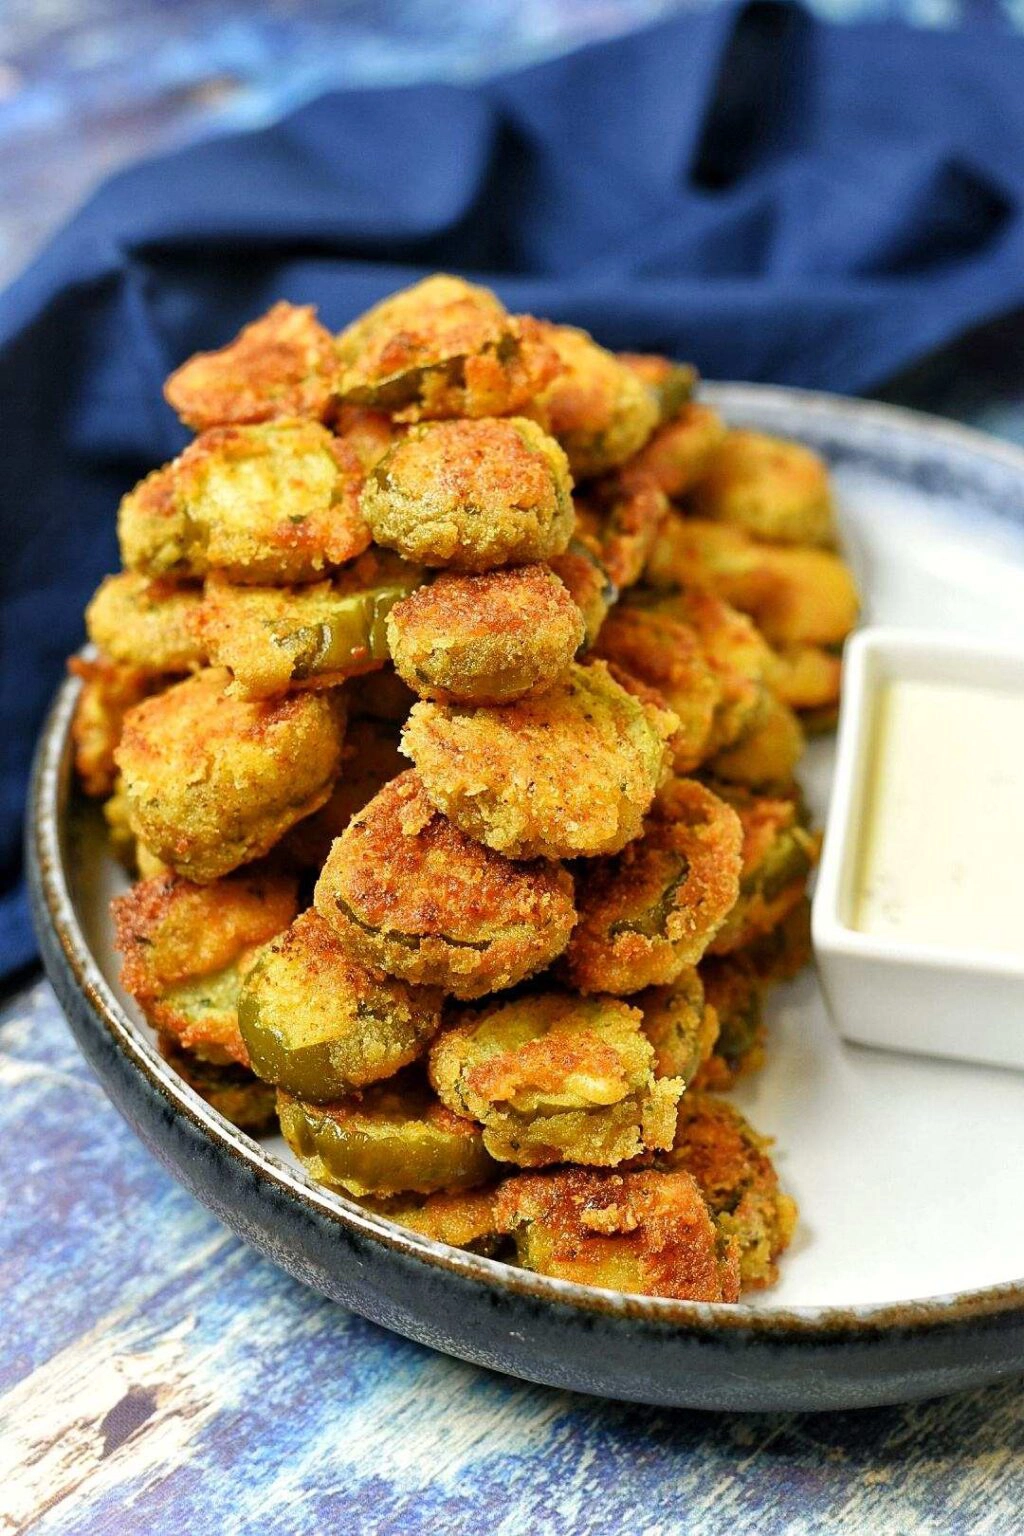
(729, 1162)
(647, 1233)
(213, 781)
(623, 514)
(404, 890)
(472, 494)
(370, 759)
(584, 575)
(778, 856)
(680, 452)
(665, 654)
(277, 502)
(766, 756)
(109, 690)
(775, 489)
(556, 1078)
(146, 622)
(283, 364)
(444, 348)
(598, 408)
(680, 1025)
(185, 949)
(488, 638)
(654, 909)
(570, 772)
(673, 384)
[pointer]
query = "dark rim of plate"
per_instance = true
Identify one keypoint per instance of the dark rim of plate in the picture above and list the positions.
(47, 813)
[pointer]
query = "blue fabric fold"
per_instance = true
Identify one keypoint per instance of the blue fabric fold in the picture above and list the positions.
(770, 197)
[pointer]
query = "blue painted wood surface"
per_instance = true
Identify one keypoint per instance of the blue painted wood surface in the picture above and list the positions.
(155, 1375)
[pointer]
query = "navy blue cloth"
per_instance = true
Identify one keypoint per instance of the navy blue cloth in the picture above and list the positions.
(771, 198)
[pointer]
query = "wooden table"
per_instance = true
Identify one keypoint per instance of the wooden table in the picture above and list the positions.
(155, 1375)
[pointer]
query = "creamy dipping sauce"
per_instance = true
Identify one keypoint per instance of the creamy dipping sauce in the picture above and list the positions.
(941, 858)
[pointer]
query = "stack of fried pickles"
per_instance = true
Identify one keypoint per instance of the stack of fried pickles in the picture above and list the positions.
(490, 995)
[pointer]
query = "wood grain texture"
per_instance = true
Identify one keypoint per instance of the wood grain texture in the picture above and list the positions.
(156, 1376)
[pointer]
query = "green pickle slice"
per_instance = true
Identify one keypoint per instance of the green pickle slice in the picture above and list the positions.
(393, 1138)
(320, 1025)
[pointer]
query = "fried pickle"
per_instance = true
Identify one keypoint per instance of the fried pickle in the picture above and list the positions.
(796, 596)
(766, 756)
(673, 383)
(778, 856)
(272, 639)
(109, 690)
(596, 406)
(146, 622)
(408, 893)
(229, 1088)
(775, 489)
(283, 364)
(392, 1138)
(680, 451)
(622, 514)
(213, 781)
(271, 503)
(585, 577)
(646, 1233)
(655, 908)
(729, 1162)
(665, 654)
(566, 773)
(444, 348)
(556, 1078)
(487, 638)
(186, 948)
(370, 759)
(462, 1218)
(680, 1025)
(317, 1023)
(472, 494)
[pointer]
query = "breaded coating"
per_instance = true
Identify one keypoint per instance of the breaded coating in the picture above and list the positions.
(808, 679)
(737, 654)
(599, 409)
(283, 364)
(273, 639)
(408, 893)
(185, 949)
(796, 596)
(319, 1024)
(109, 690)
(623, 514)
(766, 756)
(213, 781)
(146, 622)
(680, 1025)
(119, 831)
(778, 856)
(273, 503)
(665, 654)
(646, 1233)
(654, 909)
(472, 494)
(366, 434)
(736, 993)
(728, 1160)
(462, 1218)
(680, 451)
(585, 577)
(563, 774)
(556, 1078)
(442, 348)
(370, 759)
(775, 489)
(673, 383)
(229, 1088)
(390, 1139)
(785, 950)
(487, 638)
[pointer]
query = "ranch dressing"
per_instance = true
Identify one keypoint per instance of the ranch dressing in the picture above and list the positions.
(942, 833)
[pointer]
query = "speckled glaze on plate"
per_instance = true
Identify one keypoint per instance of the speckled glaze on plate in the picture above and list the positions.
(903, 1282)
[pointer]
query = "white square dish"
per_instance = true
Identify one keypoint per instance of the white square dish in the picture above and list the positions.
(939, 994)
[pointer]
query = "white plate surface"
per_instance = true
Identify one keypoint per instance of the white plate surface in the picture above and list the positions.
(907, 1170)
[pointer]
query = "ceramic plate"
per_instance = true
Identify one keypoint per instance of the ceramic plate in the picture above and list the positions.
(904, 1277)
